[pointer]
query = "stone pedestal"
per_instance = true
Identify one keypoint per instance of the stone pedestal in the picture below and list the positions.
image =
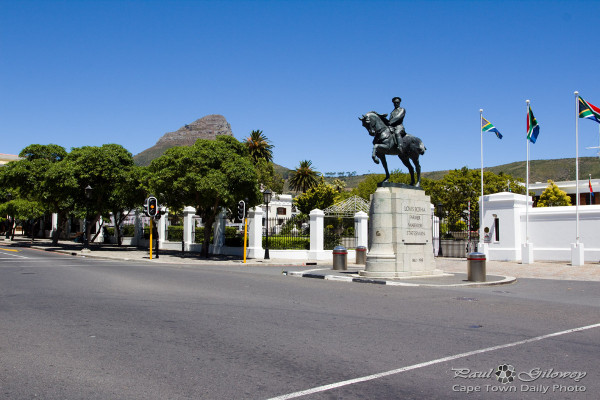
(400, 236)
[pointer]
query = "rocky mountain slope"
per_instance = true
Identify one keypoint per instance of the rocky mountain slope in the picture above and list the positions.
(207, 127)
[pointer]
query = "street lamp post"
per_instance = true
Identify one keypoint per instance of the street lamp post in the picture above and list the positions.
(267, 198)
(440, 210)
(88, 196)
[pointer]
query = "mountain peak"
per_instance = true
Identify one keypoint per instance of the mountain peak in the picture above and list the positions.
(208, 127)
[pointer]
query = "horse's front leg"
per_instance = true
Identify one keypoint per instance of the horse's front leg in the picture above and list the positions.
(374, 155)
(385, 167)
(418, 168)
(406, 161)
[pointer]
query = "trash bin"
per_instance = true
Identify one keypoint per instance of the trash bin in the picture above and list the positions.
(340, 258)
(476, 267)
(361, 255)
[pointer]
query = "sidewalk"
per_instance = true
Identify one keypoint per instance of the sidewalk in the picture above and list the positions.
(455, 267)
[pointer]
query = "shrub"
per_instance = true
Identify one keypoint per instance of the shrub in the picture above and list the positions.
(331, 240)
(175, 233)
(128, 230)
(199, 235)
(287, 243)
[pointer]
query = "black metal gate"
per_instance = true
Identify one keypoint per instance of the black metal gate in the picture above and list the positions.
(287, 233)
(456, 242)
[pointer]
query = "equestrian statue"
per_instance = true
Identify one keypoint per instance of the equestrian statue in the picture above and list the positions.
(389, 137)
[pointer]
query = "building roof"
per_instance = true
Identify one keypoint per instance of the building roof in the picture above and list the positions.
(568, 187)
(6, 158)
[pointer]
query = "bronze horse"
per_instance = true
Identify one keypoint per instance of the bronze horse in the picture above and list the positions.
(385, 143)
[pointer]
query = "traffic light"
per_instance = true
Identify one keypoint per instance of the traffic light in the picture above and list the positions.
(241, 210)
(152, 207)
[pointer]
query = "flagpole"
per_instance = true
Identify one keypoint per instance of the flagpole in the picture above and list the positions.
(577, 164)
(481, 207)
(527, 186)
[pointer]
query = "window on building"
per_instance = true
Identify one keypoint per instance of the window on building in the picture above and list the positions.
(281, 211)
(497, 228)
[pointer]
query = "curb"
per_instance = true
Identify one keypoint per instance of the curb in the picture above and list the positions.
(99, 256)
(308, 274)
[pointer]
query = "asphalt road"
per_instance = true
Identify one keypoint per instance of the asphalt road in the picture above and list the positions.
(78, 328)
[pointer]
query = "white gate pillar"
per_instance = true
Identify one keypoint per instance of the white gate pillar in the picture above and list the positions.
(162, 228)
(54, 230)
(188, 227)
(100, 231)
(317, 234)
(255, 221)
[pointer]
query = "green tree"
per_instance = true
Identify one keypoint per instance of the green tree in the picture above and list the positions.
(367, 186)
(303, 177)
(127, 196)
(553, 197)
(259, 146)
(261, 152)
(339, 184)
(459, 186)
(110, 171)
(267, 177)
(59, 188)
(45, 152)
(30, 180)
(320, 196)
(24, 212)
(210, 175)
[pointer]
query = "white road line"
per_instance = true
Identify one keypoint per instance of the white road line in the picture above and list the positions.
(426, 364)
(11, 255)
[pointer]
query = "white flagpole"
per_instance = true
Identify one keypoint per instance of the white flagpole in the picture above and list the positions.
(577, 164)
(481, 207)
(527, 185)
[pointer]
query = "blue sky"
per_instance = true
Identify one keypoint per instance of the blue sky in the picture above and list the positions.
(81, 73)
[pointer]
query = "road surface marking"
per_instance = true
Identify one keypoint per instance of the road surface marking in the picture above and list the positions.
(426, 364)
(11, 255)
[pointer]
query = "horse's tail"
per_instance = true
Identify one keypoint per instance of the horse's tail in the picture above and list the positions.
(422, 148)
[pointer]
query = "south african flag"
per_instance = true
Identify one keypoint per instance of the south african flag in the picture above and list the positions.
(587, 110)
(486, 126)
(533, 129)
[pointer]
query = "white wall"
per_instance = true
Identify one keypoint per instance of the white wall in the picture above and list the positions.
(551, 230)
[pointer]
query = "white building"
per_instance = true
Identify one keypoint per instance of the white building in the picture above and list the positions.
(570, 187)
(281, 208)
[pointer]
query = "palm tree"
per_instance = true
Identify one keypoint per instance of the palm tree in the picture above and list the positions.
(304, 177)
(259, 146)
(339, 184)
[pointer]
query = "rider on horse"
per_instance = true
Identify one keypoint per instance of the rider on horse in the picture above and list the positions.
(396, 123)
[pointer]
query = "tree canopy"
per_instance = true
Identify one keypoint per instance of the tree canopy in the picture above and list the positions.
(303, 177)
(209, 175)
(259, 146)
(320, 196)
(55, 180)
(461, 186)
(553, 197)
